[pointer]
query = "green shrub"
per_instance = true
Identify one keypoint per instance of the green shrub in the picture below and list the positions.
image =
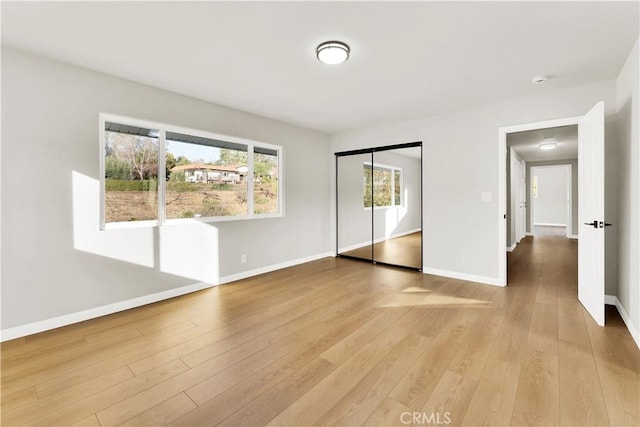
(181, 187)
(126, 185)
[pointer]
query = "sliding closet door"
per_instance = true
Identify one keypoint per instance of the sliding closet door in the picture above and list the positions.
(354, 211)
(396, 176)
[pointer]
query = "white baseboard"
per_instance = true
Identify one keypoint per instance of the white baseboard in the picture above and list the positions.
(463, 276)
(528, 233)
(512, 247)
(635, 333)
(572, 236)
(549, 224)
(379, 240)
(270, 268)
(92, 313)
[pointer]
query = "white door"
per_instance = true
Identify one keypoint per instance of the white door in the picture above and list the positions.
(591, 212)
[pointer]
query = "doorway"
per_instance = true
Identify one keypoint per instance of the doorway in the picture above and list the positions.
(379, 205)
(590, 192)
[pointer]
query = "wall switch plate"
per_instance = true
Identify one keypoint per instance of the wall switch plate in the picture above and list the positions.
(486, 197)
(243, 258)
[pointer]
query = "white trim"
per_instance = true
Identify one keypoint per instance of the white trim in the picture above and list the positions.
(635, 333)
(379, 240)
(512, 247)
(528, 233)
(502, 182)
(463, 276)
(573, 236)
(548, 224)
(92, 313)
(273, 267)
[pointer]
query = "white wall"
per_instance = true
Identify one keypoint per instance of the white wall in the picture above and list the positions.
(355, 220)
(550, 207)
(55, 262)
(460, 161)
(627, 226)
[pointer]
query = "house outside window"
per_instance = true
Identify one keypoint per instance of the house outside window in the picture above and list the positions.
(153, 173)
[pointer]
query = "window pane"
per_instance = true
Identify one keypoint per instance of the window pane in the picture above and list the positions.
(381, 182)
(397, 188)
(381, 187)
(131, 173)
(265, 181)
(367, 185)
(205, 177)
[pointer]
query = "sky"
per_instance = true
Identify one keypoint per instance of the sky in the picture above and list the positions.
(193, 151)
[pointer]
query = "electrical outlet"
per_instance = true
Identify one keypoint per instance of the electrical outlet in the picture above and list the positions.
(243, 258)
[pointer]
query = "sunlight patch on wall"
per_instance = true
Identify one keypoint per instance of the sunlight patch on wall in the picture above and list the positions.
(187, 249)
(134, 245)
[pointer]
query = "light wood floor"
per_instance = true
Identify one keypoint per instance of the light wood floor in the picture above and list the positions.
(403, 250)
(339, 342)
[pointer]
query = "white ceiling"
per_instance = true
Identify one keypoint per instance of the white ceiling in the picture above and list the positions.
(526, 143)
(409, 59)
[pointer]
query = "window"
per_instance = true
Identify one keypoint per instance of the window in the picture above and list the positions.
(387, 185)
(155, 173)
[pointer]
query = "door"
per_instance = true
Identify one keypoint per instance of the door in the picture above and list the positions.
(354, 212)
(591, 212)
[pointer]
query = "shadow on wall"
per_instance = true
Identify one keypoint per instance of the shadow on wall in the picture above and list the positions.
(188, 249)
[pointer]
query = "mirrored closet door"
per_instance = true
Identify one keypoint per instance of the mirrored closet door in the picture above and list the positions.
(379, 205)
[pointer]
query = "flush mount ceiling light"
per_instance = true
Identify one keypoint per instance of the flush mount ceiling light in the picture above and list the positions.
(333, 52)
(547, 146)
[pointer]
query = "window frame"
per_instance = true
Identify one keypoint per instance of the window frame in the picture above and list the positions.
(392, 169)
(163, 128)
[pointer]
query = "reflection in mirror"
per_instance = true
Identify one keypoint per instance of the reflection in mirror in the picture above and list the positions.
(354, 213)
(397, 207)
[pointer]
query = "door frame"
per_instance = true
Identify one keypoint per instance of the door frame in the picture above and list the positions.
(502, 181)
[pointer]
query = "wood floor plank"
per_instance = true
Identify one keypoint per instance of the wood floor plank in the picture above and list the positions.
(363, 399)
(450, 398)
(416, 386)
(390, 413)
(492, 401)
(163, 413)
(621, 392)
(571, 322)
(537, 395)
(90, 421)
(473, 353)
(581, 399)
(345, 348)
(83, 406)
(56, 400)
(271, 403)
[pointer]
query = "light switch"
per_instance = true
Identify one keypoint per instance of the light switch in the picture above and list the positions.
(486, 197)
